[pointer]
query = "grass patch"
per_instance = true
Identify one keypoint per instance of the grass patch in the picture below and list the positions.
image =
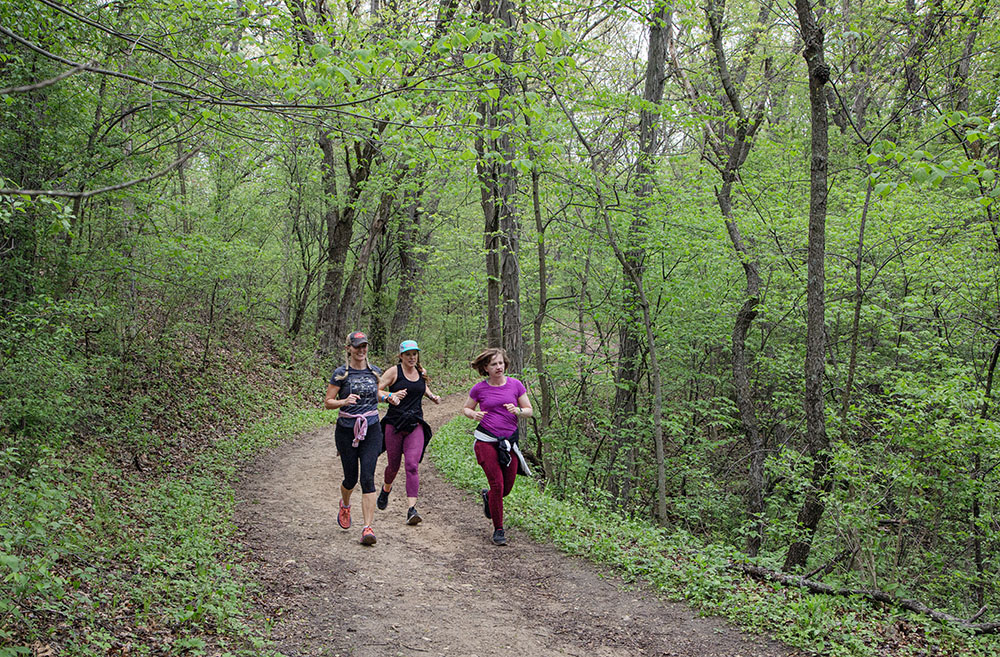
(682, 567)
(94, 560)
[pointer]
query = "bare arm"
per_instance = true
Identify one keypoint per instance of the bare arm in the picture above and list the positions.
(522, 408)
(469, 410)
(331, 397)
(427, 390)
(388, 378)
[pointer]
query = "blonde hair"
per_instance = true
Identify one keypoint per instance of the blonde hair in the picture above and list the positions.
(483, 359)
(347, 363)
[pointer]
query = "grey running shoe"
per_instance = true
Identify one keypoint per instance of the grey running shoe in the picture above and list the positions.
(412, 517)
(499, 538)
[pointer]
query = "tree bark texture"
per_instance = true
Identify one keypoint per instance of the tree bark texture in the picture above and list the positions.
(412, 242)
(339, 220)
(491, 227)
(545, 406)
(498, 181)
(817, 440)
(629, 373)
(958, 84)
(731, 158)
(913, 56)
(633, 257)
(349, 309)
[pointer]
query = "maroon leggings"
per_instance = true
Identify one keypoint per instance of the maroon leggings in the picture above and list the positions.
(501, 480)
(410, 446)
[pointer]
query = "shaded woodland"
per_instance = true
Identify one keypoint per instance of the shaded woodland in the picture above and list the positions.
(746, 254)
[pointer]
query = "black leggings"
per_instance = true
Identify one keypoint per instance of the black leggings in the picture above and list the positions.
(366, 453)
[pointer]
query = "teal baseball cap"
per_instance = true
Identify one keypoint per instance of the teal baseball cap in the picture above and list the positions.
(408, 345)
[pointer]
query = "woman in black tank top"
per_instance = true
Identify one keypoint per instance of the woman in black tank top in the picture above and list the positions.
(406, 433)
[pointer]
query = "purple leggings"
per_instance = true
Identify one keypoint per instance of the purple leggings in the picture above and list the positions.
(411, 446)
(501, 479)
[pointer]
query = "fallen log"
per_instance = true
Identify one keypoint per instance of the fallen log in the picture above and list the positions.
(759, 572)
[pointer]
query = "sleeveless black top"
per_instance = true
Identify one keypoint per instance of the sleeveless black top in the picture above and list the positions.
(410, 411)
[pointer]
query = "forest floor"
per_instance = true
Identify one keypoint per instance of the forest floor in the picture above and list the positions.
(441, 587)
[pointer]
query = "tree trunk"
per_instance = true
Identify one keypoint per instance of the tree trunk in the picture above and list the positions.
(856, 319)
(510, 227)
(412, 258)
(756, 440)
(339, 220)
(545, 409)
(733, 157)
(491, 227)
(913, 56)
(818, 442)
(762, 573)
(498, 182)
(979, 582)
(349, 309)
(331, 319)
(629, 372)
(958, 84)
(633, 258)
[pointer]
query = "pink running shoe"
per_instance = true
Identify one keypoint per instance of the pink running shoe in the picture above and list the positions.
(344, 515)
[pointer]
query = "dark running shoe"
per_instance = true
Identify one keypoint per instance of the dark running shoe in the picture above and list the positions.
(485, 494)
(412, 517)
(383, 499)
(499, 538)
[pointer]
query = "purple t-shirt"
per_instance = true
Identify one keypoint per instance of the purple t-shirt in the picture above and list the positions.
(498, 421)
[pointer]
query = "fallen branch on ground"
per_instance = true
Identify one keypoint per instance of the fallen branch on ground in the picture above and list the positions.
(759, 572)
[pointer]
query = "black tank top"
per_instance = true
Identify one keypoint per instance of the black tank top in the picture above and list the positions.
(410, 409)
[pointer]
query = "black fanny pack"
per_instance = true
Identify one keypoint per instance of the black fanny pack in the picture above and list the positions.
(404, 422)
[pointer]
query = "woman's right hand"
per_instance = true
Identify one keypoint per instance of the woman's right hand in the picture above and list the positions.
(478, 415)
(351, 399)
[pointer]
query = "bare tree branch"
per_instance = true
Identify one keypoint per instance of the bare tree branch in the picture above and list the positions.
(759, 572)
(94, 192)
(245, 101)
(51, 81)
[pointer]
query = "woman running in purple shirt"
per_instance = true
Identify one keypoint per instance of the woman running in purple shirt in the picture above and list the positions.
(502, 401)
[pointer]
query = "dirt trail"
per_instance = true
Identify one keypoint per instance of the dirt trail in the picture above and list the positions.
(441, 587)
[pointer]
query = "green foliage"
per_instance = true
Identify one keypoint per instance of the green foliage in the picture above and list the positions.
(685, 567)
(41, 377)
(140, 325)
(86, 543)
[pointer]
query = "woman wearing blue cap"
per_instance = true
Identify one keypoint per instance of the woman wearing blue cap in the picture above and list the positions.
(406, 433)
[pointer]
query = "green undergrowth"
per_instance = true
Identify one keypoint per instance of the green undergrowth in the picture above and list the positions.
(97, 561)
(681, 567)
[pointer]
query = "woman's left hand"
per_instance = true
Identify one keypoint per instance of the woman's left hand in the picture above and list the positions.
(513, 408)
